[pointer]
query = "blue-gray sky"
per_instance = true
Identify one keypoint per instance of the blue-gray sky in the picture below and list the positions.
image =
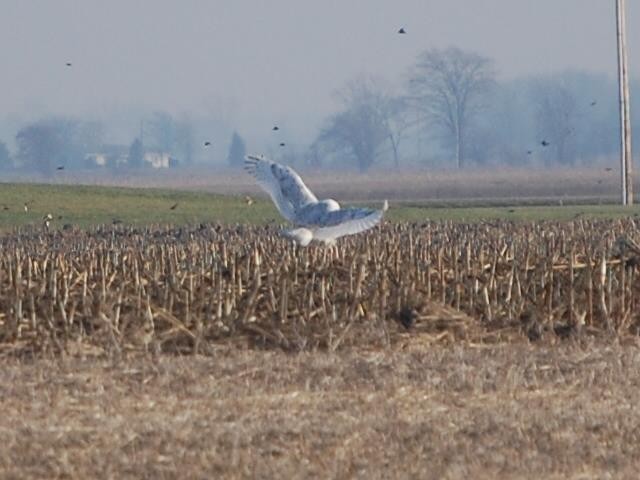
(255, 62)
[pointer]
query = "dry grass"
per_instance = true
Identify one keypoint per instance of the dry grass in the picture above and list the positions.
(185, 289)
(430, 350)
(510, 411)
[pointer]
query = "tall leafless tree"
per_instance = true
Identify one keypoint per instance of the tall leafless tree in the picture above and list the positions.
(370, 117)
(448, 86)
(556, 119)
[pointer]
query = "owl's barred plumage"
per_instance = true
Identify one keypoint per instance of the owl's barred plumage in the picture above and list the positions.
(316, 220)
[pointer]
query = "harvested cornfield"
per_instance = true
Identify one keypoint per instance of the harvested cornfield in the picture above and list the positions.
(112, 289)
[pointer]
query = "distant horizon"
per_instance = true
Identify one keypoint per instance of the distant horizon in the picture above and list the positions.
(246, 65)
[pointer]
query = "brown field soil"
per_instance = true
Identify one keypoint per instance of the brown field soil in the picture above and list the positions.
(425, 350)
(564, 409)
(593, 184)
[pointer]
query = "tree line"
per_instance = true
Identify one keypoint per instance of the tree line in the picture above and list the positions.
(449, 109)
(453, 111)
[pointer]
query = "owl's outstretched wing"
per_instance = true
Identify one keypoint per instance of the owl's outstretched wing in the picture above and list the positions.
(348, 221)
(283, 184)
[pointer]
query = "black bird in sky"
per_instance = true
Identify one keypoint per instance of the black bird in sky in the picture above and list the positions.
(594, 103)
(282, 144)
(68, 64)
(402, 31)
(608, 169)
(275, 127)
(173, 207)
(206, 144)
(60, 167)
(529, 152)
(544, 143)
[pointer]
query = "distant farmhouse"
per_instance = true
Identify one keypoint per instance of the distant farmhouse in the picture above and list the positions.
(157, 159)
(118, 156)
(109, 156)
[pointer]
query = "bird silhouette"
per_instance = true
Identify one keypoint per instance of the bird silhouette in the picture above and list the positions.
(402, 31)
(68, 64)
(282, 144)
(275, 127)
(173, 207)
(60, 167)
(206, 144)
(544, 143)
(594, 103)
(529, 152)
(608, 169)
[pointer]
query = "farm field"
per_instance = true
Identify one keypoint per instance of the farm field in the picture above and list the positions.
(464, 342)
(85, 206)
(516, 410)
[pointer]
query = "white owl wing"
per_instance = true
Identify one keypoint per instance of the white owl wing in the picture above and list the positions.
(283, 184)
(348, 221)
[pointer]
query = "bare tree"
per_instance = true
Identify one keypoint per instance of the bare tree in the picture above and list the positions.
(161, 130)
(37, 144)
(397, 122)
(185, 140)
(556, 119)
(136, 154)
(57, 141)
(175, 136)
(369, 118)
(237, 151)
(448, 86)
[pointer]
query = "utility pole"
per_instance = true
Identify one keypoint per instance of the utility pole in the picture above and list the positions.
(626, 160)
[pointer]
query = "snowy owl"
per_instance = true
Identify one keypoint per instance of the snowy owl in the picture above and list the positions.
(322, 220)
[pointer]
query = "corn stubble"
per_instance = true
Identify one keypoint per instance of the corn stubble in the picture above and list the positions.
(186, 290)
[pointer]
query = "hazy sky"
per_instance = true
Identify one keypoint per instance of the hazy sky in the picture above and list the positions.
(258, 62)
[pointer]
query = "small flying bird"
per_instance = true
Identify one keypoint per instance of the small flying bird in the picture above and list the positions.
(594, 103)
(282, 144)
(402, 31)
(275, 127)
(544, 143)
(173, 207)
(68, 64)
(60, 167)
(206, 144)
(529, 152)
(608, 169)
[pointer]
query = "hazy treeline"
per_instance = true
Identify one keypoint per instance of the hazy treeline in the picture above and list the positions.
(449, 109)
(453, 111)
